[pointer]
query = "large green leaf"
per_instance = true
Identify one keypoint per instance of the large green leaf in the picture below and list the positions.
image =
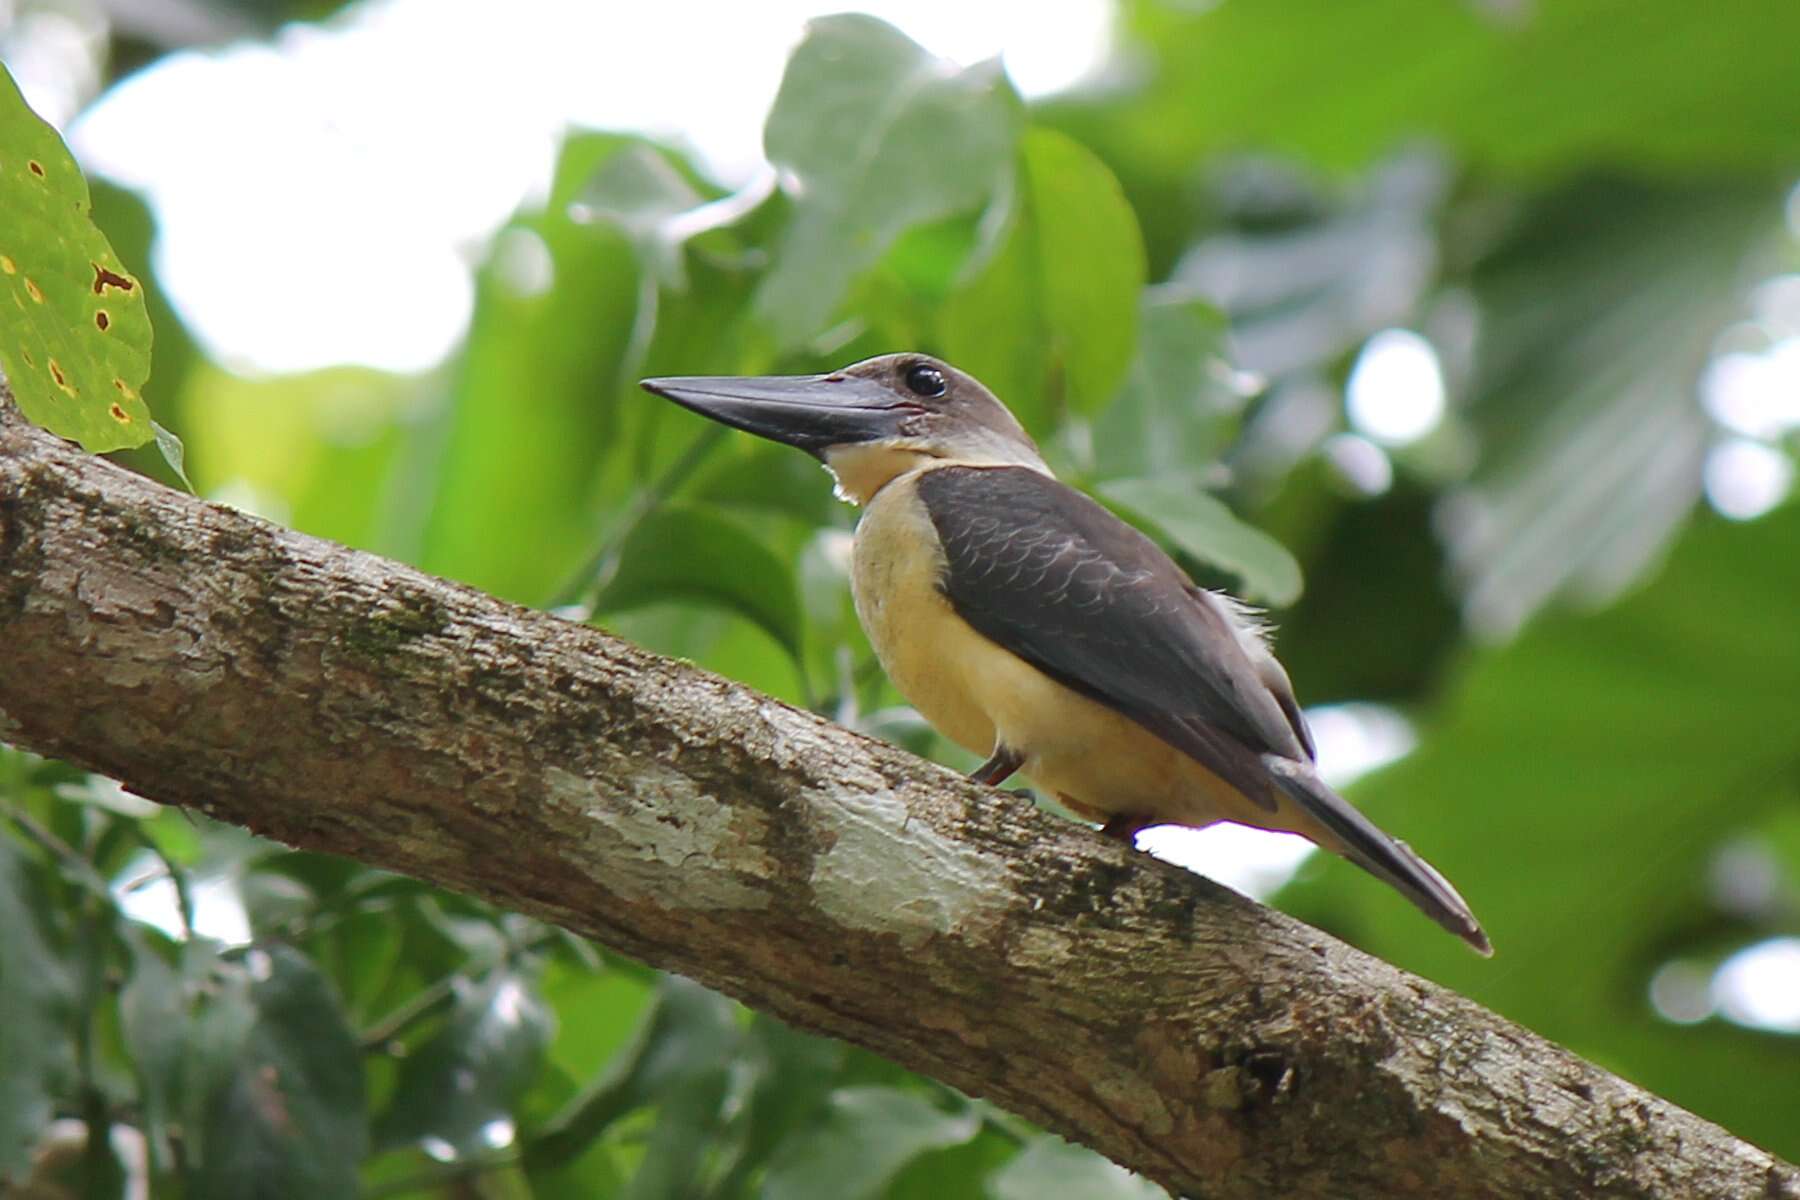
(1578, 788)
(1201, 525)
(534, 416)
(1049, 323)
(1680, 87)
(1179, 405)
(693, 553)
(75, 340)
(868, 1136)
(638, 190)
(456, 1092)
(877, 135)
(35, 1012)
(284, 1114)
(1586, 407)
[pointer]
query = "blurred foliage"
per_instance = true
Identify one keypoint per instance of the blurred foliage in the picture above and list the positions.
(1169, 275)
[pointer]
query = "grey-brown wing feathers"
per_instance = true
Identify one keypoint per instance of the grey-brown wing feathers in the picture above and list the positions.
(1053, 577)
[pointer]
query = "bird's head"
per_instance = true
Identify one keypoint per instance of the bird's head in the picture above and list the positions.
(869, 422)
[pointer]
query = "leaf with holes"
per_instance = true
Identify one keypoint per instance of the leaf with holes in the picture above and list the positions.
(74, 334)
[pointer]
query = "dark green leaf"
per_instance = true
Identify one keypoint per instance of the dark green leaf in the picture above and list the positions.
(153, 1020)
(1577, 790)
(285, 1116)
(879, 136)
(1201, 525)
(74, 338)
(1050, 322)
(868, 1136)
(36, 997)
(456, 1093)
(687, 552)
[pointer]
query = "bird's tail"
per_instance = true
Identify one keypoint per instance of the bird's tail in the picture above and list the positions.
(1386, 858)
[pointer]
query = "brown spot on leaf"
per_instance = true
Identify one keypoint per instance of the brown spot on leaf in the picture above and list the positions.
(7, 265)
(36, 167)
(104, 279)
(29, 361)
(33, 289)
(101, 320)
(120, 415)
(56, 373)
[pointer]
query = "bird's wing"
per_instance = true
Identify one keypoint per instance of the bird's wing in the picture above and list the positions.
(1047, 573)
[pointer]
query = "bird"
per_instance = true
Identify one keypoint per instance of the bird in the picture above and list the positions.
(1029, 624)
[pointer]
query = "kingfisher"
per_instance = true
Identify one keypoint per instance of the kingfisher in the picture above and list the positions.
(1030, 625)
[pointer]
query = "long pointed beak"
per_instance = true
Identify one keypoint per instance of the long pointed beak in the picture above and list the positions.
(813, 412)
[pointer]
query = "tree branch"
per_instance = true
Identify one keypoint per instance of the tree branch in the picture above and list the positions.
(333, 700)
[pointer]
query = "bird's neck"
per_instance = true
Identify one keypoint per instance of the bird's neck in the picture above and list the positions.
(864, 469)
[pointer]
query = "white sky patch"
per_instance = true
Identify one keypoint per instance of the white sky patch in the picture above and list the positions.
(344, 175)
(1353, 739)
(1760, 986)
(145, 893)
(1395, 393)
(1745, 479)
(1755, 394)
(1360, 463)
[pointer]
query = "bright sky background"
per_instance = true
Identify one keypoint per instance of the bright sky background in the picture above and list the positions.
(301, 160)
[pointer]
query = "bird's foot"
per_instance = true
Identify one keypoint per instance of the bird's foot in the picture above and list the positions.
(999, 768)
(1125, 827)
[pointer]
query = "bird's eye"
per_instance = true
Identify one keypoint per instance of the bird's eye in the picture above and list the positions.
(922, 380)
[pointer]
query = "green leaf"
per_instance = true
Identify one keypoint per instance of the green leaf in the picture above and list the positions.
(687, 552)
(535, 417)
(36, 995)
(1050, 322)
(153, 1020)
(639, 191)
(868, 1136)
(1178, 409)
(1685, 88)
(1585, 409)
(286, 1117)
(1578, 787)
(1201, 525)
(678, 1046)
(75, 341)
(877, 135)
(1053, 1167)
(456, 1093)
